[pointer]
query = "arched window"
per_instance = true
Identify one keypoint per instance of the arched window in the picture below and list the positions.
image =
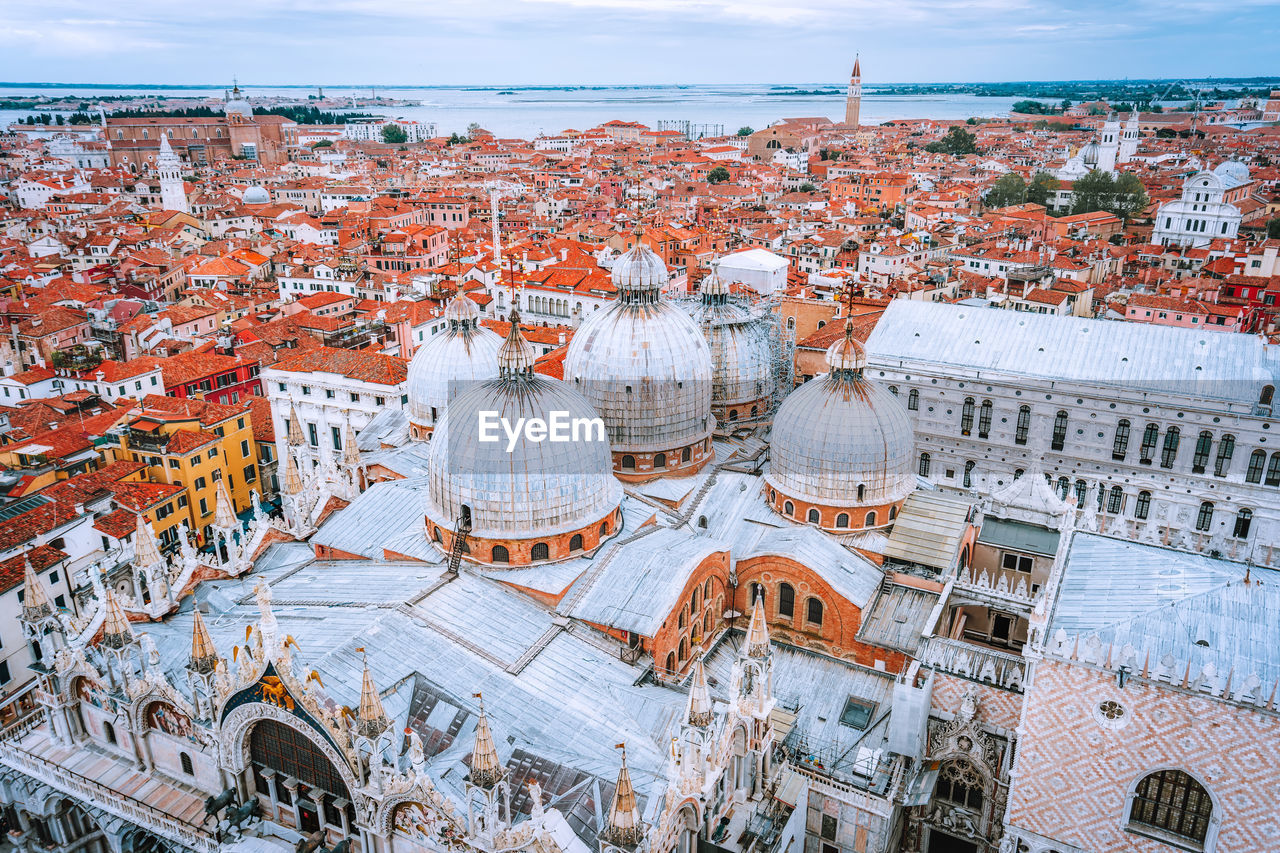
(1204, 518)
(788, 508)
(119, 134)
(813, 611)
(604, 528)
(435, 533)
(575, 542)
(1170, 451)
(702, 522)
(1273, 471)
(706, 590)
(628, 462)
(1244, 520)
(1257, 460)
(924, 464)
(862, 491)
(1204, 444)
(815, 517)
(733, 414)
(1064, 486)
(893, 389)
(893, 513)
(1082, 489)
(660, 460)
(686, 455)
(1149, 437)
(968, 473)
(145, 134)
(1115, 500)
(695, 599)
(870, 520)
(913, 399)
(842, 520)
(966, 416)
(1170, 800)
(984, 419)
(671, 661)
(1226, 447)
(1143, 507)
(1120, 446)
(684, 649)
(185, 761)
(109, 731)
(1024, 425)
(786, 600)
(540, 551)
(1268, 391)
(681, 621)
(1059, 431)
(960, 783)
(501, 554)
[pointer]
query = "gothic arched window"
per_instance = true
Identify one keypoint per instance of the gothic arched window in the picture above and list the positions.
(1204, 518)
(1172, 801)
(960, 782)
(540, 551)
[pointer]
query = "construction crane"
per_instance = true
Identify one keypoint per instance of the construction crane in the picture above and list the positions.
(496, 190)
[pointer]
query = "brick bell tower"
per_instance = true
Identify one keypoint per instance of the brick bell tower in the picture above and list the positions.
(853, 101)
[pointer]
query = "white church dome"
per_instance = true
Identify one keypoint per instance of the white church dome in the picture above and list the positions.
(643, 363)
(1233, 173)
(466, 352)
(540, 489)
(257, 195)
(842, 440)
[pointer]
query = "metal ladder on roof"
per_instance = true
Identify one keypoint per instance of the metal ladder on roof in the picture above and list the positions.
(463, 529)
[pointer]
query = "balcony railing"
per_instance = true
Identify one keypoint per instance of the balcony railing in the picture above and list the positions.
(985, 666)
(109, 800)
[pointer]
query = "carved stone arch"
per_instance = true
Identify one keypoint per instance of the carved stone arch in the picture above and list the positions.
(384, 820)
(1216, 809)
(234, 742)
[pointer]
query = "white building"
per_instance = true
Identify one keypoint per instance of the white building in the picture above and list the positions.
(329, 389)
(1203, 213)
(370, 130)
(1166, 432)
(761, 270)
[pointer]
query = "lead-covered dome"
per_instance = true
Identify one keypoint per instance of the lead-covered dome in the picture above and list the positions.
(257, 195)
(466, 352)
(645, 366)
(741, 353)
(842, 446)
(522, 494)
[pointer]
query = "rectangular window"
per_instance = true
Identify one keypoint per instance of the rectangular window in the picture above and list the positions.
(1120, 446)
(313, 434)
(337, 437)
(244, 448)
(1059, 431)
(379, 401)
(329, 393)
(200, 483)
(306, 390)
(204, 507)
(250, 473)
(1017, 563)
(1170, 451)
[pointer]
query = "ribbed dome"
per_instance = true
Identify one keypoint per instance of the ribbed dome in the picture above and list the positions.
(639, 269)
(1089, 154)
(539, 489)
(647, 368)
(842, 431)
(441, 367)
(257, 195)
(741, 356)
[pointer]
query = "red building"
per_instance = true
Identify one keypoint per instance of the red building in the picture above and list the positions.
(206, 374)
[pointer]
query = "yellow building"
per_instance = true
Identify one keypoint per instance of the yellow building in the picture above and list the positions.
(198, 445)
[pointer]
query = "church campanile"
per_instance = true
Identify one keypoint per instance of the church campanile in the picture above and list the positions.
(853, 101)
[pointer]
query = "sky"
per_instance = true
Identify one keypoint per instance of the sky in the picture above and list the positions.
(529, 42)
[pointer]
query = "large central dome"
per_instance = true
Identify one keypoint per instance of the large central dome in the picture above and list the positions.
(444, 365)
(841, 447)
(645, 365)
(527, 501)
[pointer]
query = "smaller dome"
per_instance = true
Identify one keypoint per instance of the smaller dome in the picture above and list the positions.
(639, 272)
(257, 195)
(1089, 154)
(846, 353)
(465, 353)
(1233, 173)
(462, 309)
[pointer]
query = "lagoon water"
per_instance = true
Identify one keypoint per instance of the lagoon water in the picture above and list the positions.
(529, 111)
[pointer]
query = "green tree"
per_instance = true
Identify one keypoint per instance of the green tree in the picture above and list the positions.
(958, 141)
(808, 188)
(1092, 192)
(1042, 186)
(393, 134)
(1130, 198)
(323, 143)
(473, 129)
(1008, 189)
(745, 131)
(1066, 104)
(718, 175)
(1032, 108)
(1273, 229)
